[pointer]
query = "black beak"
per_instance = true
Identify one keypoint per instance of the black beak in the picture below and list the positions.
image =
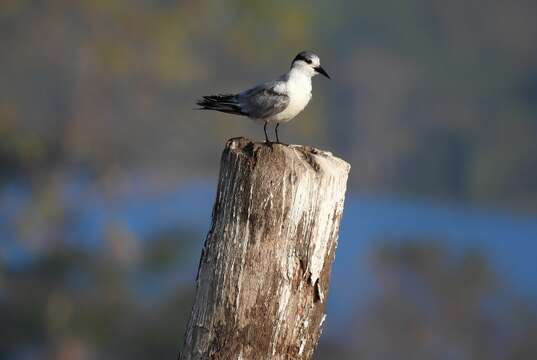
(321, 71)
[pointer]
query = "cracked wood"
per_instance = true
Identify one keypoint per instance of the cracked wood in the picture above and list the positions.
(264, 271)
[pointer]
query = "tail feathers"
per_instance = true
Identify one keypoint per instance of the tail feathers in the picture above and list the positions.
(224, 102)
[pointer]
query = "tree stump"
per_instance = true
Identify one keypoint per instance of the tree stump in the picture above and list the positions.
(264, 270)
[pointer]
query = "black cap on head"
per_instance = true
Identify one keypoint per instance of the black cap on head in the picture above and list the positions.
(306, 56)
(313, 60)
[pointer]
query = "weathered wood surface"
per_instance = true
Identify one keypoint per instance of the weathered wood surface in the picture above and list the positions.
(264, 271)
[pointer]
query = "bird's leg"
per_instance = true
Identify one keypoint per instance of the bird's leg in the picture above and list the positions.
(276, 131)
(266, 135)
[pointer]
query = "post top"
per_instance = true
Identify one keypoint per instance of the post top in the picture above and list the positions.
(309, 153)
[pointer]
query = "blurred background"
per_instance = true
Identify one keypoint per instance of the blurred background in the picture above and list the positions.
(107, 176)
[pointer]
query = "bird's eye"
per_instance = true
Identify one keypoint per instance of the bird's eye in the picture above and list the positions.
(308, 61)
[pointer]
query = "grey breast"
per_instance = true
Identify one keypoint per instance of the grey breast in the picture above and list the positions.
(263, 101)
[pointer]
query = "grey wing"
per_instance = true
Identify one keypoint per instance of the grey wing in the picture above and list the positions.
(263, 101)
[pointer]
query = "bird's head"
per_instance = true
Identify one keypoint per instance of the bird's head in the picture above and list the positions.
(308, 63)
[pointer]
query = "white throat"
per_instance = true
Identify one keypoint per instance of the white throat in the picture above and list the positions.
(298, 87)
(297, 77)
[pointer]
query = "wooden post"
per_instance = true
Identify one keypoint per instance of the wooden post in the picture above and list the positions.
(265, 267)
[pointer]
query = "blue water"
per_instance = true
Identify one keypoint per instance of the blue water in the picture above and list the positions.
(509, 242)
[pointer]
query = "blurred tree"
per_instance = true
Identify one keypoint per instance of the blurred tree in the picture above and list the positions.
(431, 303)
(432, 98)
(79, 304)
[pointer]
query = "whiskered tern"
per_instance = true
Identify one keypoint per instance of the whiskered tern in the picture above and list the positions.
(272, 102)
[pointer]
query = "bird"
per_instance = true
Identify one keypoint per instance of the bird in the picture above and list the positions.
(275, 101)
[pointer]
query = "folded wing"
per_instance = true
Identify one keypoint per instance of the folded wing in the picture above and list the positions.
(263, 101)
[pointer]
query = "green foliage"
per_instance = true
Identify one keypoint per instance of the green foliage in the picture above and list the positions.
(68, 295)
(429, 98)
(430, 302)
